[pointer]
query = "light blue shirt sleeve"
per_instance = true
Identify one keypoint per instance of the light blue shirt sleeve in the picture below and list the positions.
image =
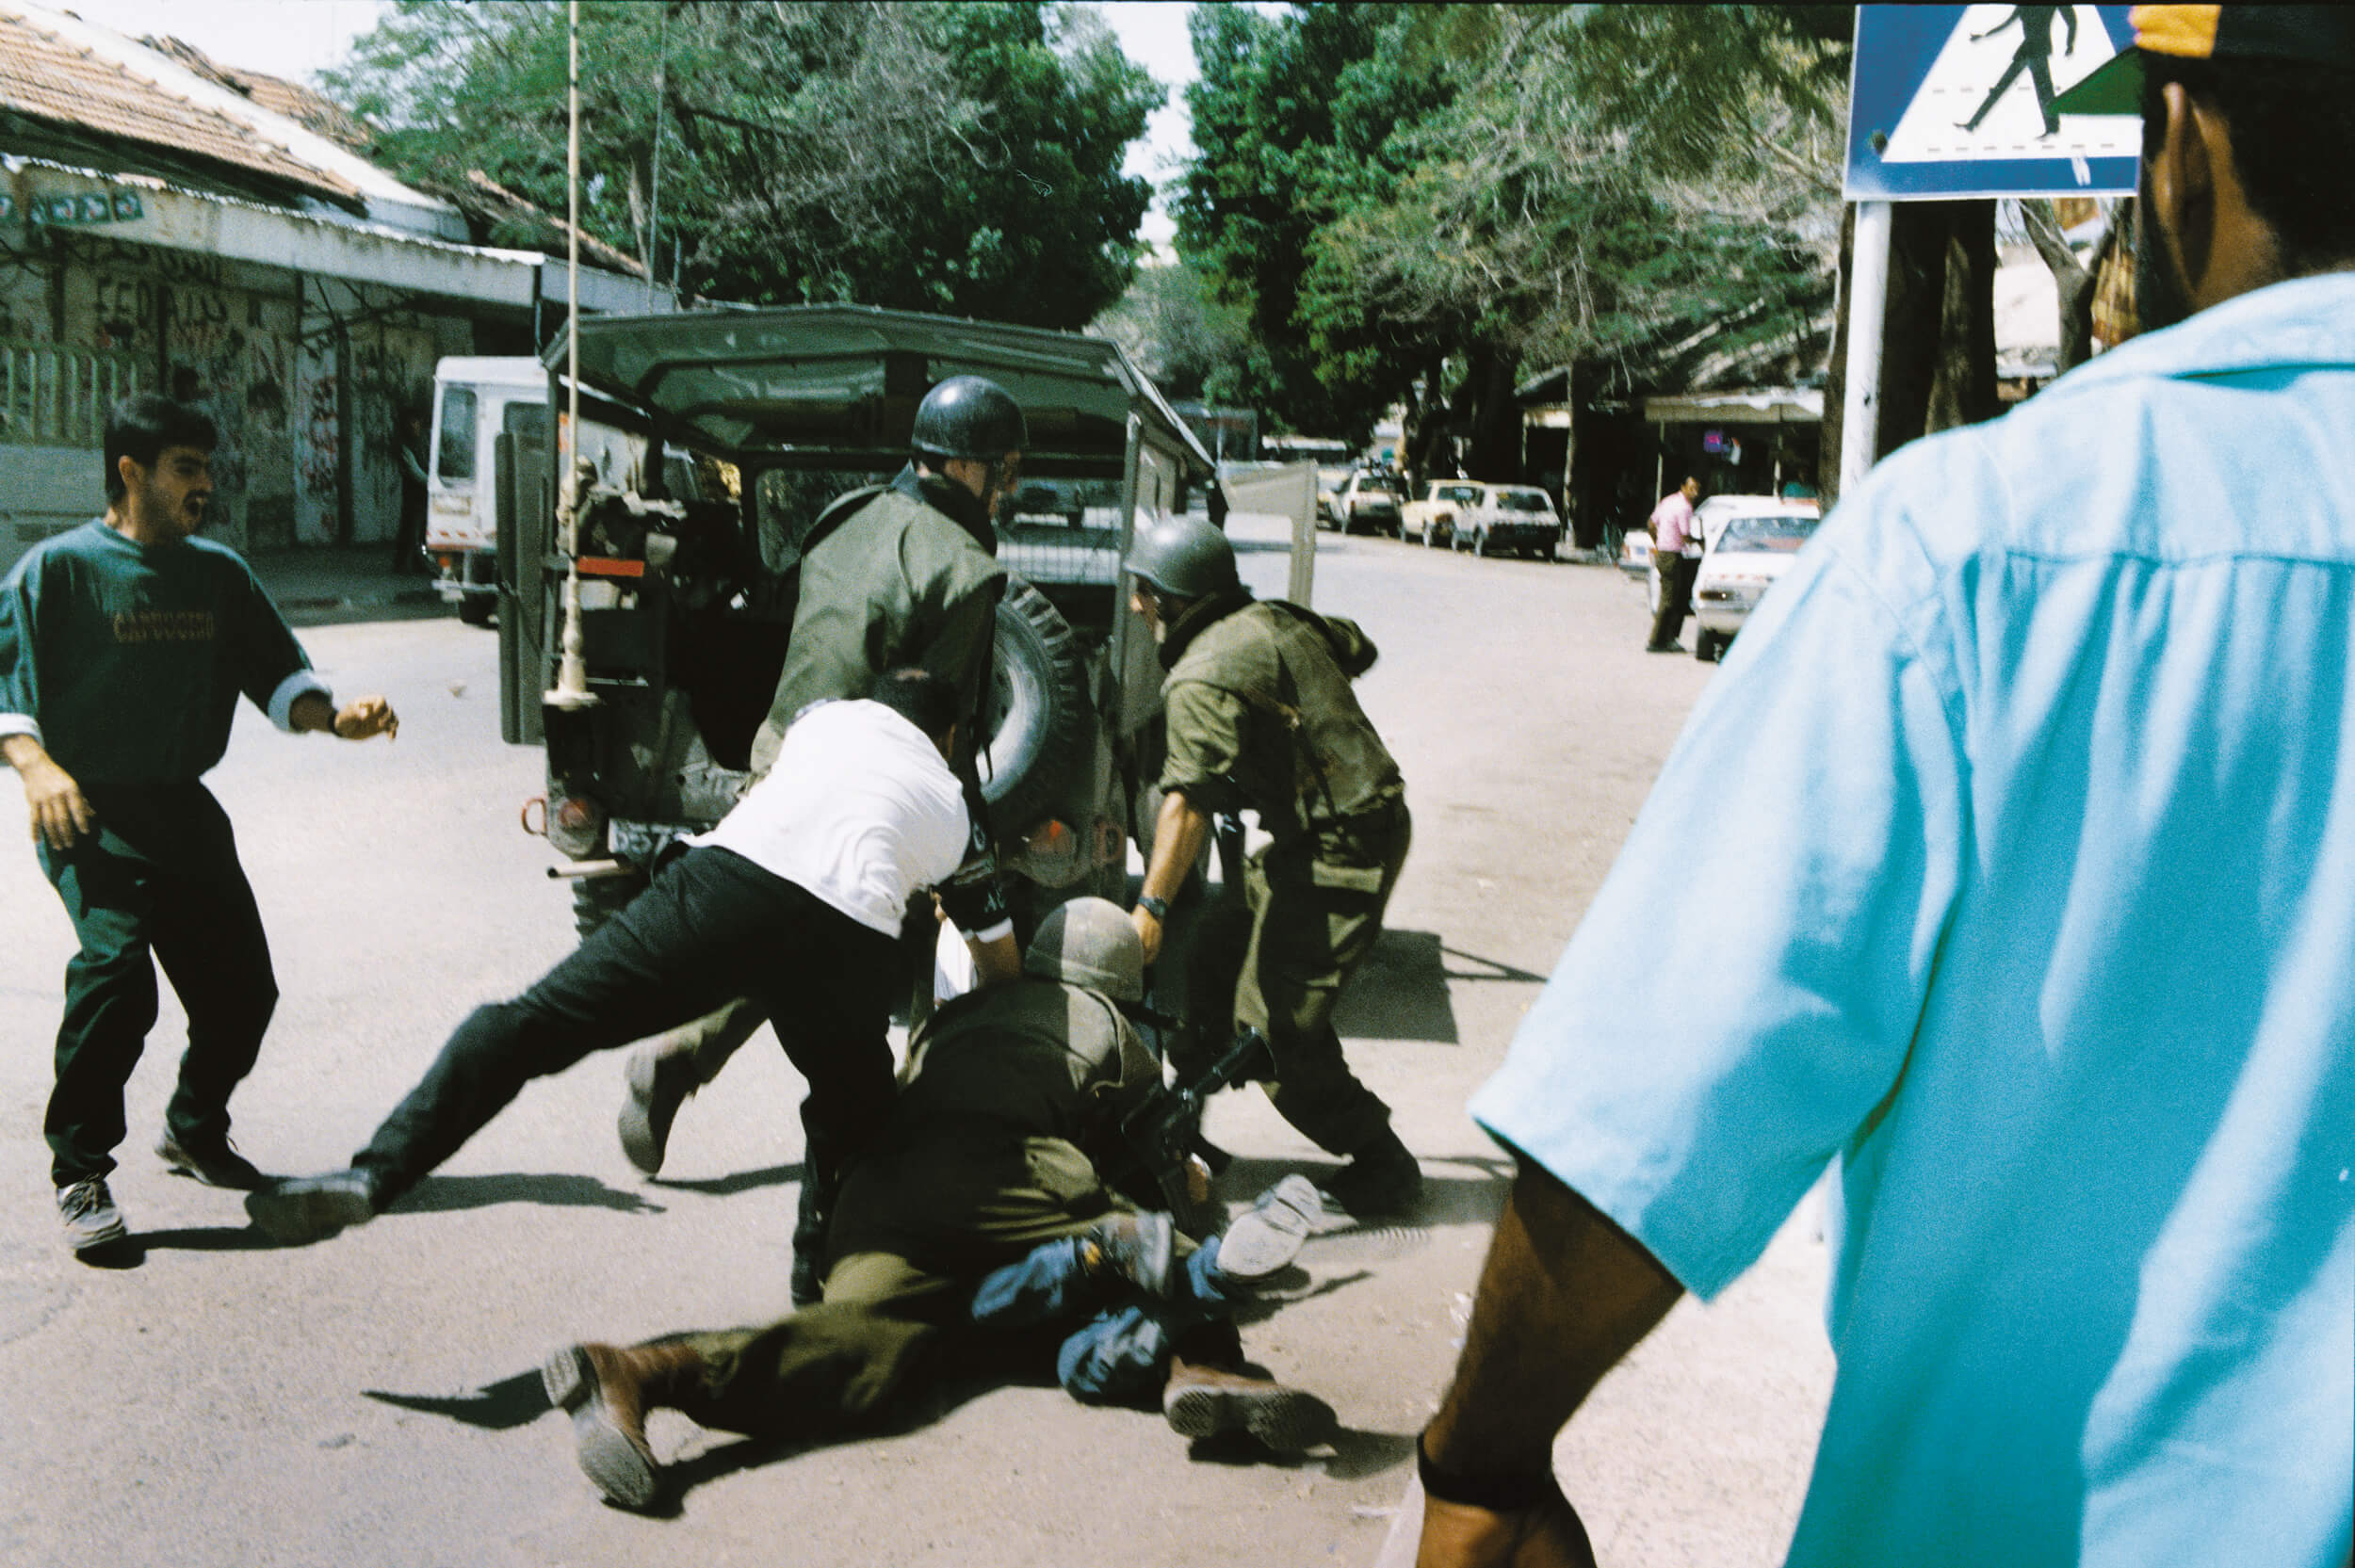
(1796, 862)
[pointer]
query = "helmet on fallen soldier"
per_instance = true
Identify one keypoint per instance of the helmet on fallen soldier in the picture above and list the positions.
(1089, 941)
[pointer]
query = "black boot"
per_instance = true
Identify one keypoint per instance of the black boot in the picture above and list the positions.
(1381, 1180)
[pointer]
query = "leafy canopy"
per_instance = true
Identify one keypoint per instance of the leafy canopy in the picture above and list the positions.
(1405, 197)
(960, 158)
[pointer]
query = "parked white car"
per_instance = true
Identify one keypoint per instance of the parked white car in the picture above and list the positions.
(1519, 518)
(1368, 503)
(1747, 553)
(1430, 519)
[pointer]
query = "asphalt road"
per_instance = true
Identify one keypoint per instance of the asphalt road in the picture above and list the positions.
(375, 1399)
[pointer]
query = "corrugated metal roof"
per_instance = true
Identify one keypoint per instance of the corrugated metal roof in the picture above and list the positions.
(321, 116)
(44, 75)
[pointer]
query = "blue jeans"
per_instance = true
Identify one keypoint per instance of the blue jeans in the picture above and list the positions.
(1120, 1354)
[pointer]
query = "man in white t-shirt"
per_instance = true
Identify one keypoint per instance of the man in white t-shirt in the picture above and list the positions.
(795, 899)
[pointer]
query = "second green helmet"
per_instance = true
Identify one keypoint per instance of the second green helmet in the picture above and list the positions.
(1184, 558)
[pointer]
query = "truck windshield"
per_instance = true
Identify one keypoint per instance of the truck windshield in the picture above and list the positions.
(1523, 500)
(456, 438)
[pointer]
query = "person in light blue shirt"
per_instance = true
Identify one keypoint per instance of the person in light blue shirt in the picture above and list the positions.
(2023, 821)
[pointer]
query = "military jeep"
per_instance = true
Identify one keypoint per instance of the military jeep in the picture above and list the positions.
(748, 422)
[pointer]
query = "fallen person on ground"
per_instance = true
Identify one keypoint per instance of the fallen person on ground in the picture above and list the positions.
(979, 1219)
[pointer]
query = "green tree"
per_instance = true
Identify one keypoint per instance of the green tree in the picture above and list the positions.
(1192, 343)
(955, 157)
(1487, 187)
(1291, 113)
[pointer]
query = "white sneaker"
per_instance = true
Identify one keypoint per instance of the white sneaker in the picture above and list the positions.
(1267, 1236)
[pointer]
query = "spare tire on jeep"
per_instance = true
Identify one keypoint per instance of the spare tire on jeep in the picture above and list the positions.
(1041, 721)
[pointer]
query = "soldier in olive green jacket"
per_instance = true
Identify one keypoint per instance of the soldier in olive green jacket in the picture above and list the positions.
(1258, 712)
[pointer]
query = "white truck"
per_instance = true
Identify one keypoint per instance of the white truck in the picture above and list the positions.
(477, 399)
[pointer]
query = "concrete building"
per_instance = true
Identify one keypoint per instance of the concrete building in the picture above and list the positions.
(167, 224)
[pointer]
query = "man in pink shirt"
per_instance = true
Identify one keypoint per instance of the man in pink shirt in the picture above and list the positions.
(1671, 532)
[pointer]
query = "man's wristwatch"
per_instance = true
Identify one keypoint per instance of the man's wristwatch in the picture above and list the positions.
(1157, 908)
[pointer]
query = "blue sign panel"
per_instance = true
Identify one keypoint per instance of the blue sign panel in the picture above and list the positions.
(1957, 100)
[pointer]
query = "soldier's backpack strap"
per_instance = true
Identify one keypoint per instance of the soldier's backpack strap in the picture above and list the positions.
(837, 512)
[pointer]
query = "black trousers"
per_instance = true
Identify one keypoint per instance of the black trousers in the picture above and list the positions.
(1676, 597)
(710, 927)
(158, 882)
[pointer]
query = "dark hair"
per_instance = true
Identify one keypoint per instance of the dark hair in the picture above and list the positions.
(2293, 145)
(140, 428)
(918, 696)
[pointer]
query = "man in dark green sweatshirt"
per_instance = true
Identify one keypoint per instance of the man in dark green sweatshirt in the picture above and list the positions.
(124, 645)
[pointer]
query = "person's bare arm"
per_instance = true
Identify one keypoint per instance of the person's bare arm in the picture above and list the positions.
(1564, 1297)
(357, 719)
(996, 961)
(1178, 834)
(61, 814)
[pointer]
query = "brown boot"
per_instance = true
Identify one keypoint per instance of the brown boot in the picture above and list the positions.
(608, 1389)
(1205, 1401)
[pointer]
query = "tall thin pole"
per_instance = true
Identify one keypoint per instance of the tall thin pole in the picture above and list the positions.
(572, 677)
(1868, 325)
(654, 195)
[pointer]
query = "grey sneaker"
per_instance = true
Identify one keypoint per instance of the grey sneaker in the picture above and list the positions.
(1138, 1248)
(657, 1083)
(214, 1164)
(88, 1213)
(1266, 1237)
(312, 1208)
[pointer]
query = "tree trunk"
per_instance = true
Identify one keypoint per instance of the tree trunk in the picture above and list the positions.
(2071, 278)
(1937, 361)
(1496, 432)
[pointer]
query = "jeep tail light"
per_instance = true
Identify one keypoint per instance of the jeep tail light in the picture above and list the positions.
(576, 825)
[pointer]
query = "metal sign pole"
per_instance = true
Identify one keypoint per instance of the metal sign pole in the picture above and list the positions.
(572, 675)
(1868, 321)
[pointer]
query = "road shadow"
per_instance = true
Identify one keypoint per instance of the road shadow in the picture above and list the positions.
(443, 1194)
(205, 1239)
(500, 1406)
(1488, 969)
(742, 1181)
(1446, 1199)
(1400, 991)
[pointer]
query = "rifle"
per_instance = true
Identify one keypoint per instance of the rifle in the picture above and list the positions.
(1166, 1129)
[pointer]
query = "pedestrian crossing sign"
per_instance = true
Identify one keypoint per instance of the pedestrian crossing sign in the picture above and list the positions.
(1959, 101)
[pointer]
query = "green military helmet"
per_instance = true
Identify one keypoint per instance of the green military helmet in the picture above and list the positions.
(1184, 558)
(1089, 941)
(970, 416)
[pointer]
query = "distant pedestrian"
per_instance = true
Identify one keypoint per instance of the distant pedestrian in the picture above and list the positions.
(1673, 534)
(2027, 830)
(124, 645)
(409, 532)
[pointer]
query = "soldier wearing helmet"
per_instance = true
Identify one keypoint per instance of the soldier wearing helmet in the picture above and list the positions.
(1260, 713)
(981, 1211)
(895, 575)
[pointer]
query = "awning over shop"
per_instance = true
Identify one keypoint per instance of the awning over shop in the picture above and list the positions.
(1788, 405)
